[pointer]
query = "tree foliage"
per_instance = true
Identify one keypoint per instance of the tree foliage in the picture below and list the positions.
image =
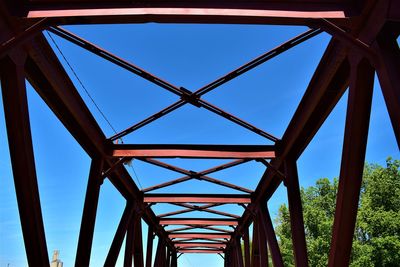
(377, 234)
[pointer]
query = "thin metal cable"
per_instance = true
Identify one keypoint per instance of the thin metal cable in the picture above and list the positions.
(137, 178)
(90, 97)
(81, 83)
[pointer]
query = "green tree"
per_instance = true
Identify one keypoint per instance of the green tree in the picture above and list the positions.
(377, 235)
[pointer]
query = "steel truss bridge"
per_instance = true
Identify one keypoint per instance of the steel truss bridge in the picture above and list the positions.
(363, 42)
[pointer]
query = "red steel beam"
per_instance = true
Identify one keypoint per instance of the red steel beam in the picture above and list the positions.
(388, 71)
(22, 159)
(22, 37)
(168, 262)
(296, 214)
(138, 243)
(217, 229)
(193, 151)
(246, 248)
(209, 251)
(243, 12)
(112, 256)
(197, 198)
(174, 259)
(238, 250)
(198, 221)
(200, 235)
(89, 213)
(267, 227)
(199, 227)
(200, 244)
(129, 239)
(149, 251)
(208, 240)
(159, 259)
(255, 245)
(353, 156)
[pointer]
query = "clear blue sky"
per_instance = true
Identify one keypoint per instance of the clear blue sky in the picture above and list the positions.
(188, 56)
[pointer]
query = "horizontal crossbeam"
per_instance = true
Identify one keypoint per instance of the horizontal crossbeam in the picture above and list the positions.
(193, 151)
(197, 198)
(210, 251)
(199, 244)
(243, 12)
(200, 235)
(198, 221)
(191, 227)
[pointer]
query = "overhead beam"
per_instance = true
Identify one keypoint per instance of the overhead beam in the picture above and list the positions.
(199, 227)
(199, 244)
(200, 235)
(209, 251)
(198, 221)
(197, 198)
(193, 151)
(271, 12)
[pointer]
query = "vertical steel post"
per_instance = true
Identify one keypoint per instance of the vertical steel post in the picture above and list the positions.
(159, 260)
(239, 253)
(353, 156)
(168, 261)
(246, 242)
(266, 225)
(22, 160)
(226, 260)
(296, 213)
(233, 254)
(149, 252)
(115, 248)
(129, 243)
(388, 70)
(138, 243)
(174, 259)
(263, 246)
(255, 249)
(89, 213)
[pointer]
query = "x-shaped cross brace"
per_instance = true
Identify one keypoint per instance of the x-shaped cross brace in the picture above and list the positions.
(196, 175)
(186, 96)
